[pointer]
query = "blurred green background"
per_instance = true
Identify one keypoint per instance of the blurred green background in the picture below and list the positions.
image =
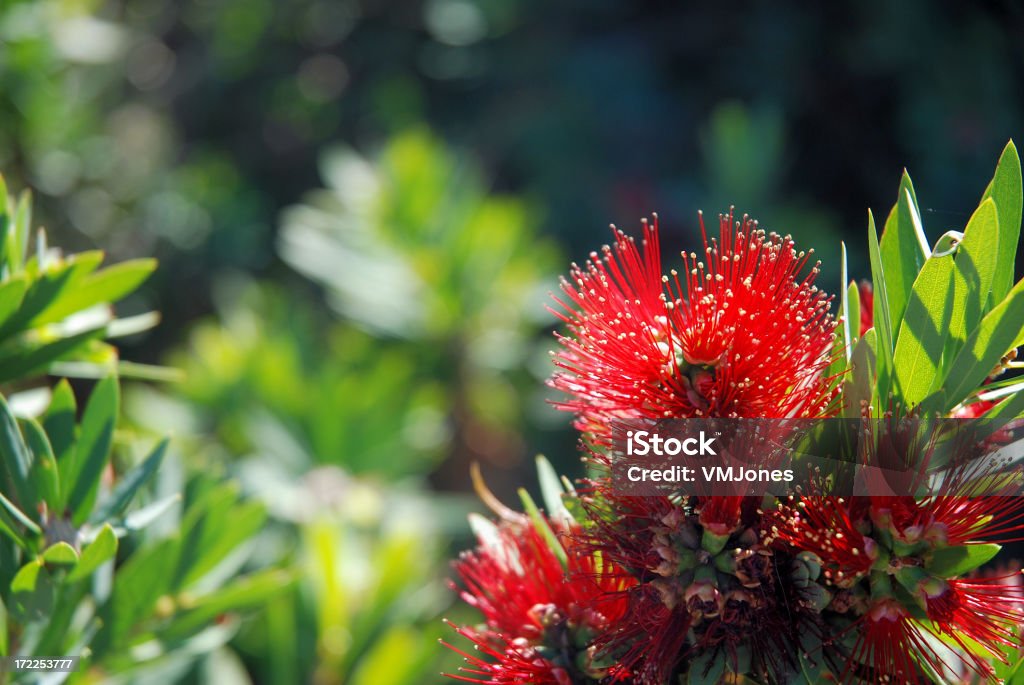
(359, 208)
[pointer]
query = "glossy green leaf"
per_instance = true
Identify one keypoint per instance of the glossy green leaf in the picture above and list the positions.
(976, 264)
(882, 316)
(922, 335)
(43, 473)
(950, 562)
(217, 531)
(15, 458)
(50, 285)
(1005, 189)
(59, 424)
(551, 490)
(860, 382)
(985, 347)
(903, 251)
(96, 553)
(60, 553)
(35, 359)
(106, 286)
(12, 292)
(542, 525)
(93, 449)
(128, 486)
(32, 592)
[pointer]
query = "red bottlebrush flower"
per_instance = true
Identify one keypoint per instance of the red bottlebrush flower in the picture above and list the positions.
(867, 307)
(985, 613)
(739, 333)
(540, 614)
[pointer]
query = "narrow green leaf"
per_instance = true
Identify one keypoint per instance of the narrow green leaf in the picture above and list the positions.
(903, 251)
(32, 592)
(551, 490)
(10, 509)
(543, 527)
(129, 485)
(211, 531)
(106, 286)
(36, 358)
(882, 316)
(49, 286)
(96, 553)
(12, 292)
(93, 448)
(844, 305)
(1009, 408)
(976, 264)
(1005, 189)
(985, 347)
(15, 458)
(950, 562)
(60, 553)
(43, 474)
(59, 424)
(922, 335)
(248, 592)
(860, 383)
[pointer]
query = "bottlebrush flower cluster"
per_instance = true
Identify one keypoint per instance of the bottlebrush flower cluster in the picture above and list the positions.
(607, 588)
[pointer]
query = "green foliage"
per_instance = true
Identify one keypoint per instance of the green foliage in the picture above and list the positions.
(414, 247)
(70, 583)
(269, 368)
(92, 562)
(945, 325)
(56, 309)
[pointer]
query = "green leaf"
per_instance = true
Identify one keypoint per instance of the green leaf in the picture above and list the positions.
(860, 383)
(12, 292)
(99, 551)
(32, 592)
(985, 347)
(143, 578)
(10, 513)
(129, 485)
(251, 591)
(904, 250)
(882, 316)
(60, 553)
(950, 562)
(551, 490)
(15, 458)
(212, 532)
(922, 335)
(543, 527)
(59, 424)
(1009, 408)
(106, 286)
(36, 358)
(93, 449)
(49, 286)
(43, 473)
(1005, 189)
(976, 263)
